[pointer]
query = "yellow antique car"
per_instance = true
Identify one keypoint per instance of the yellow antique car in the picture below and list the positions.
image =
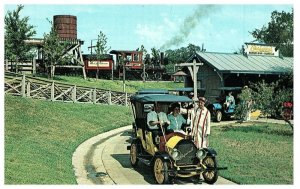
(171, 155)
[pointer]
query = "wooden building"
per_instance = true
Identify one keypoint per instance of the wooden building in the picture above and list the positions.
(218, 70)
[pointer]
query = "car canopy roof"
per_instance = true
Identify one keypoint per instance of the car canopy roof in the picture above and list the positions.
(229, 88)
(159, 98)
(187, 89)
(153, 91)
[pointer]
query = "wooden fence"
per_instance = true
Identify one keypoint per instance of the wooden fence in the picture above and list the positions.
(28, 67)
(31, 87)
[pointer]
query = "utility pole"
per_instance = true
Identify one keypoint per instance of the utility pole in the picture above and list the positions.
(195, 70)
(144, 74)
(112, 70)
(124, 88)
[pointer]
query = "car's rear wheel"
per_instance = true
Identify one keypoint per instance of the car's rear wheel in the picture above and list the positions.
(210, 176)
(160, 171)
(133, 154)
(218, 116)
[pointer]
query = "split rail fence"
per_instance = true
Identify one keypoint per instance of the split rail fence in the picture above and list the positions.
(32, 87)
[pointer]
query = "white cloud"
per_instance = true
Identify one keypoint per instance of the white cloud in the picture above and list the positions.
(149, 33)
(156, 34)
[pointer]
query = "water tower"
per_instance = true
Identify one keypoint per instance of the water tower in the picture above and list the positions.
(66, 28)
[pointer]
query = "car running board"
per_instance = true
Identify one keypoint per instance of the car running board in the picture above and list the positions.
(145, 161)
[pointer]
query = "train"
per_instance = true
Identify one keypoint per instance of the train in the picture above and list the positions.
(129, 62)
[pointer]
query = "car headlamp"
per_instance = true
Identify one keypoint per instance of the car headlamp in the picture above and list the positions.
(201, 154)
(175, 154)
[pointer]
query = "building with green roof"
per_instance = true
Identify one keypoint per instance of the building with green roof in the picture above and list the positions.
(218, 70)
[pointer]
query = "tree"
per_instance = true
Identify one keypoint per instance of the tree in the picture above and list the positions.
(101, 49)
(144, 50)
(279, 32)
(155, 53)
(17, 30)
(245, 105)
(54, 51)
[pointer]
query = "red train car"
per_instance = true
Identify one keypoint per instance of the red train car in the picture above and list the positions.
(133, 59)
(92, 63)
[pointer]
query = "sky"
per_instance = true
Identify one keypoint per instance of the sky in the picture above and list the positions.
(218, 27)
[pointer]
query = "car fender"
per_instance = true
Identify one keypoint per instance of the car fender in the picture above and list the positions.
(211, 152)
(217, 106)
(134, 140)
(164, 155)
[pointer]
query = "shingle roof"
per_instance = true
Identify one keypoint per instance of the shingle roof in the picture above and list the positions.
(254, 64)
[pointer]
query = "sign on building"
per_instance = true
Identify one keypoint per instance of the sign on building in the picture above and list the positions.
(260, 49)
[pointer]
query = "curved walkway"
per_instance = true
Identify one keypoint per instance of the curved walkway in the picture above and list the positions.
(85, 163)
(95, 162)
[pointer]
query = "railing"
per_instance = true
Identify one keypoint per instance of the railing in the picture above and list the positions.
(32, 87)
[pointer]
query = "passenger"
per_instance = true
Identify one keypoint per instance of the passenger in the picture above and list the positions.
(176, 119)
(200, 124)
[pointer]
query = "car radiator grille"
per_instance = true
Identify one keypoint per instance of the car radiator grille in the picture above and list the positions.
(188, 151)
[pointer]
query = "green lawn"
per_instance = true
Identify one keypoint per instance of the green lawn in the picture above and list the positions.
(41, 136)
(261, 153)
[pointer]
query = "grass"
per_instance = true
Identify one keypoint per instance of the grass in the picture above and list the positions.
(257, 154)
(117, 85)
(41, 136)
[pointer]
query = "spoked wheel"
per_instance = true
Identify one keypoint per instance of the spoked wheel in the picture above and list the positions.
(218, 116)
(210, 176)
(160, 171)
(133, 154)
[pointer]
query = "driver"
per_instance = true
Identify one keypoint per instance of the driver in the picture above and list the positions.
(230, 101)
(157, 117)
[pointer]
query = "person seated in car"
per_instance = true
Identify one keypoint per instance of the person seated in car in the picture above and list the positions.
(230, 101)
(157, 118)
(176, 119)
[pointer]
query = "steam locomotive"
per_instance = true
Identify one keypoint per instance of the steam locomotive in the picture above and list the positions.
(120, 62)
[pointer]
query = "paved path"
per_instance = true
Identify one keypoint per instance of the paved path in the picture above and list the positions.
(104, 159)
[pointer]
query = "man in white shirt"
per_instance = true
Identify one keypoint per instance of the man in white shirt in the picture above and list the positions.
(200, 124)
(157, 117)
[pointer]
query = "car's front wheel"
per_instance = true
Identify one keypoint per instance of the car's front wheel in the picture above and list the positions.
(133, 154)
(160, 171)
(211, 175)
(218, 116)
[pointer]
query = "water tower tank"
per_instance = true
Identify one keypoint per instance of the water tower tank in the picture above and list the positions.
(66, 26)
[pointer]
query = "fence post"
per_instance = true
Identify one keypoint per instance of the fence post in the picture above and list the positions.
(6, 65)
(33, 66)
(126, 101)
(74, 94)
(94, 95)
(28, 89)
(23, 89)
(52, 91)
(109, 97)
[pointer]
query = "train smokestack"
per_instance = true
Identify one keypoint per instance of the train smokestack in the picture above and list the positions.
(162, 56)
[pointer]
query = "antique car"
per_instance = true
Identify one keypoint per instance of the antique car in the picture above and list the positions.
(171, 155)
(217, 109)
